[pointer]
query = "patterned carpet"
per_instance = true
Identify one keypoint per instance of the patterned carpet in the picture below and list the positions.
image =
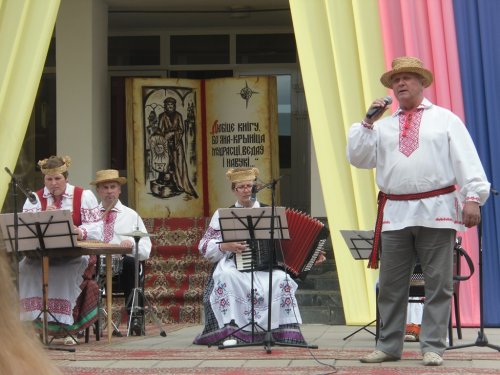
(204, 370)
(309, 370)
(250, 353)
(101, 358)
(175, 273)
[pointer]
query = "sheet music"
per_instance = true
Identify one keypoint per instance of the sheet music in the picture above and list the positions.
(56, 229)
(360, 242)
(239, 224)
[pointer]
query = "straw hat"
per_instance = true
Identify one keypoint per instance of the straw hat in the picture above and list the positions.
(242, 174)
(407, 64)
(108, 175)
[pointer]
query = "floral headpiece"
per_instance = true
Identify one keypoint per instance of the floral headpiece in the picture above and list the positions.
(58, 170)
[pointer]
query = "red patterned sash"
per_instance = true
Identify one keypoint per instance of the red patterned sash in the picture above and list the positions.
(382, 199)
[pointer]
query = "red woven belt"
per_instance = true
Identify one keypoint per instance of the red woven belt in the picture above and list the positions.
(382, 199)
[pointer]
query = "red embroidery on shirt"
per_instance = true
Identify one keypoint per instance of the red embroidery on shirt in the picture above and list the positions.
(58, 202)
(55, 305)
(471, 199)
(109, 226)
(90, 215)
(210, 234)
(409, 127)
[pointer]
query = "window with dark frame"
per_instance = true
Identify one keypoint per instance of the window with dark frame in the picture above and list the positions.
(134, 50)
(265, 49)
(199, 49)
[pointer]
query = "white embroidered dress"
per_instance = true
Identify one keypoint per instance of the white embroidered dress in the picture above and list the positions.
(230, 298)
(65, 274)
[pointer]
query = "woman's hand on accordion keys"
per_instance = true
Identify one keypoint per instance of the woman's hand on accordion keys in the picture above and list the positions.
(321, 258)
(233, 247)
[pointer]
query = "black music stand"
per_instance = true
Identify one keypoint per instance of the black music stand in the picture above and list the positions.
(241, 224)
(15, 258)
(268, 340)
(40, 231)
(481, 339)
(360, 243)
(251, 225)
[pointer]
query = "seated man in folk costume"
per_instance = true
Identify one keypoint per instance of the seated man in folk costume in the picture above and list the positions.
(117, 220)
(227, 297)
(73, 293)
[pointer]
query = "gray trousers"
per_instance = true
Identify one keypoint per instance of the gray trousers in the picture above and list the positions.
(434, 248)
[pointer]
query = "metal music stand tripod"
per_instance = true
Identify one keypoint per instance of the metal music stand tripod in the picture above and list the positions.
(250, 225)
(40, 232)
(138, 292)
(481, 339)
(278, 223)
(360, 244)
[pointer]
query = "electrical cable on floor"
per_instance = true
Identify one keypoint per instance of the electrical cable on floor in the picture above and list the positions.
(294, 304)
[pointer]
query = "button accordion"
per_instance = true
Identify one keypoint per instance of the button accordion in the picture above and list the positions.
(296, 255)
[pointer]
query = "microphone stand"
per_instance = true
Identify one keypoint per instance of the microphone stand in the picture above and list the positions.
(15, 257)
(268, 338)
(481, 340)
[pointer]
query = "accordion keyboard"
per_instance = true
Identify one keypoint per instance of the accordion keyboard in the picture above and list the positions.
(256, 251)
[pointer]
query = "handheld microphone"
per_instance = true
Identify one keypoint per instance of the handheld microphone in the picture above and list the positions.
(253, 198)
(28, 193)
(375, 110)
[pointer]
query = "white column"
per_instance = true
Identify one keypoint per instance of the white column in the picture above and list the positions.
(83, 87)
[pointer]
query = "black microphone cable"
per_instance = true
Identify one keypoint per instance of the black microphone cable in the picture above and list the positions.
(279, 248)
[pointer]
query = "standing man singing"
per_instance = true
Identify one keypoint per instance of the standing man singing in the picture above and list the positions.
(420, 153)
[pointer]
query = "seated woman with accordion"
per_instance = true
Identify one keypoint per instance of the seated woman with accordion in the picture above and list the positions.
(228, 295)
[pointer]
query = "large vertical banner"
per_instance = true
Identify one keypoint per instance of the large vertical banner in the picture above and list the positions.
(164, 147)
(242, 131)
(183, 135)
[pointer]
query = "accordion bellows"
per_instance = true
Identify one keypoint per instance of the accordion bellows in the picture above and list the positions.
(307, 239)
(296, 255)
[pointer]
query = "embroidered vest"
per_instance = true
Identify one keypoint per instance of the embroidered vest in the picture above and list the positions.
(77, 204)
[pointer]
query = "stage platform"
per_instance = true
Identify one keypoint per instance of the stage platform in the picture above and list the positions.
(175, 354)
